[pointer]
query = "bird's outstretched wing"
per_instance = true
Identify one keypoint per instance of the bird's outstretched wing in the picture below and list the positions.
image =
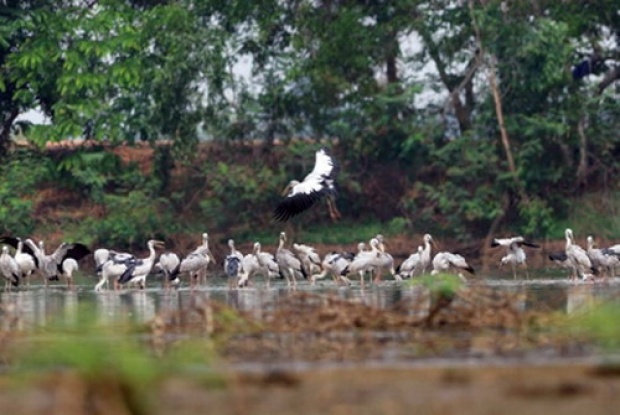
(314, 186)
(77, 251)
(13, 241)
(295, 204)
(558, 256)
(530, 244)
(9, 240)
(325, 167)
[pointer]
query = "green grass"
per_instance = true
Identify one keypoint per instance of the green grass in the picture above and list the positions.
(339, 233)
(596, 214)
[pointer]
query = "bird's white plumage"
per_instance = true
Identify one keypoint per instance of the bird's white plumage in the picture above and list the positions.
(408, 266)
(334, 263)
(447, 261)
(289, 264)
(126, 269)
(268, 265)
(25, 261)
(170, 264)
(9, 268)
(515, 254)
(374, 260)
(578, 257)
(317, 184)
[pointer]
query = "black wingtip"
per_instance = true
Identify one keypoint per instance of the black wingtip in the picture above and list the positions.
(531, 244)
(558, 256)
(126, 276)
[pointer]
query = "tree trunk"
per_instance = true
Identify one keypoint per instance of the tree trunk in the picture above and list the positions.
(5, 131)
(582, 168)
(503, 133)
(484, 252)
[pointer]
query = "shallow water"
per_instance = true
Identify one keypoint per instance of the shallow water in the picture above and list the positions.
(38, 306)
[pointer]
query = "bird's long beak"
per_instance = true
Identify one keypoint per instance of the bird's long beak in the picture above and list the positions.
(160, 244)
(286, 190)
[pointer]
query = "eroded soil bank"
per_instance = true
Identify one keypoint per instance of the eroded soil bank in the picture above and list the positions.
(466, 389)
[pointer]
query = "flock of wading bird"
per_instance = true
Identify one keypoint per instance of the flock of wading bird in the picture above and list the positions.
(125, 269)
(301, 262)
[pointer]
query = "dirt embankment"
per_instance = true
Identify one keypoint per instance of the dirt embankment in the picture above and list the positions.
(54, 205)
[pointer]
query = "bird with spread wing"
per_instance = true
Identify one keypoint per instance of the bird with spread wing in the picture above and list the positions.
(300, 196)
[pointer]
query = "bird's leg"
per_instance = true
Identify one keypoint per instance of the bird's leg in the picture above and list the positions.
(333, 211)
(527, 274)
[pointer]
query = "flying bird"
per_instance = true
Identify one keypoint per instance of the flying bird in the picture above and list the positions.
(300, 196)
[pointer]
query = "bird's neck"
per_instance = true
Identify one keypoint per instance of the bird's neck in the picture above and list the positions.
(152, 253)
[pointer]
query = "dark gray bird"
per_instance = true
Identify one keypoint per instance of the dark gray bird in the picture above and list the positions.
(232, 267)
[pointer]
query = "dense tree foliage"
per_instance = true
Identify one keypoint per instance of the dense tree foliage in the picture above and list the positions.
(492, 112)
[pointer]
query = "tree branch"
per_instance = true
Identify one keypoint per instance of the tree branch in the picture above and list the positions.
(610, 77)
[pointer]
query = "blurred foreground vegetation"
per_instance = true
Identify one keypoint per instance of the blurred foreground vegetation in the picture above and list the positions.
(123, 365)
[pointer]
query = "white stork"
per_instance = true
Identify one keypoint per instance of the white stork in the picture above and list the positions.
(300, 196)
(205, 257)
(127, 268)
(26, 261)
(310, 259)
(515, 254)
(447, 261)
(385, 261)
(137, 270)
(112, 267)
(602, 259)
(367, 261)
(334, 263)
(288, 263)
(268, 266)
(9, 269)
(68, 267)
(578, 257)
(250, 267)
(50, 266)
(426, 256)
(408, 266)
(170, 264)
(418, 262)
(195, 264)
